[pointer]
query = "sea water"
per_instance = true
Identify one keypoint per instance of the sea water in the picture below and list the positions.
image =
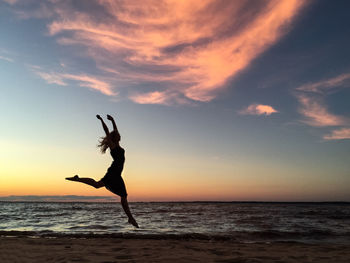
(241, 222)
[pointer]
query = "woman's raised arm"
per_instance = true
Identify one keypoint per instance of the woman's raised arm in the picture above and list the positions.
(105, 128)
(109, 117)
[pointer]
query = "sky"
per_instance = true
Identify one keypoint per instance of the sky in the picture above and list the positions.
(214, 100)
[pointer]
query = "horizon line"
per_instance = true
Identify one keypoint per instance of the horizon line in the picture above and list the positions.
(91, 199)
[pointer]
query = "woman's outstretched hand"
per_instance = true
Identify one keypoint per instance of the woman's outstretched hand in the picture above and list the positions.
(98, 117)
(109, 117)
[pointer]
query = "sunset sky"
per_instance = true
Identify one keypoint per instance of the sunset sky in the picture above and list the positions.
(214, 100)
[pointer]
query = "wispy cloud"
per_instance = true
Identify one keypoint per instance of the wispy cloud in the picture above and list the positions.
(83, 80)
(6, 58)
(340, 134)
(312, 97)
(92, 83)
(258, 109)
(51, 78)
(11, 2)
(155, 97)
(190, 49)
(315, 112)
(326, 85)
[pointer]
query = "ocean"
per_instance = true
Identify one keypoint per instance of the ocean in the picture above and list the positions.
(236, 221)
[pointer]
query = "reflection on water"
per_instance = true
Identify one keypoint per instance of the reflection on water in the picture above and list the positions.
(239, 221)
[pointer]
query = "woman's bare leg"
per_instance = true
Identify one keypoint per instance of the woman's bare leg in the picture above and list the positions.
(86, 180)
(123, 200)
(125, 205)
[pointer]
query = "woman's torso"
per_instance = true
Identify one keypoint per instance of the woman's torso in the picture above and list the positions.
(118, 155)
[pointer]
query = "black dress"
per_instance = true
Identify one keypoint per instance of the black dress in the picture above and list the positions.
(113, 180)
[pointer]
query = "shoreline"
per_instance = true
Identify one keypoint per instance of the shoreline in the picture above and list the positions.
(107, 249)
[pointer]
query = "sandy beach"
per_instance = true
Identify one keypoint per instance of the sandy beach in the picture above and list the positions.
(63, 249)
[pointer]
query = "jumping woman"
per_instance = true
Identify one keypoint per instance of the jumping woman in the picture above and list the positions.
(113, 180)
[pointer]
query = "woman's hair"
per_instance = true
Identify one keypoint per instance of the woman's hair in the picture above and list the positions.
(111, 137)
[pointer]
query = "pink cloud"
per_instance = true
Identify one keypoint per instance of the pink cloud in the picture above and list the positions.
(312, 97)
(341, 134)
(258, 109)
(324, 85)
(51, 78)
(192, 47)
(154, 97)
(82, 80)
(92, 83)
(316, 113)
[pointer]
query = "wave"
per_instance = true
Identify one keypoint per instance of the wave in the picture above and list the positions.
(94, 227)
(114, 235)
(237, 236)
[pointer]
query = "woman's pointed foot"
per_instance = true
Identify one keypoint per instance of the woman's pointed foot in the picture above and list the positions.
(133, 222)
(74, 178)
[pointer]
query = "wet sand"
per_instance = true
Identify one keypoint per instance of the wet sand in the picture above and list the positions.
(64, 249)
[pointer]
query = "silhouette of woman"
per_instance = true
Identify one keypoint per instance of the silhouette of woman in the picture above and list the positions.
(112, 180)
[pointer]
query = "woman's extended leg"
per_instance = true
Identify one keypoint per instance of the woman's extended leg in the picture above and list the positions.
(86, 180)
(125, 205)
